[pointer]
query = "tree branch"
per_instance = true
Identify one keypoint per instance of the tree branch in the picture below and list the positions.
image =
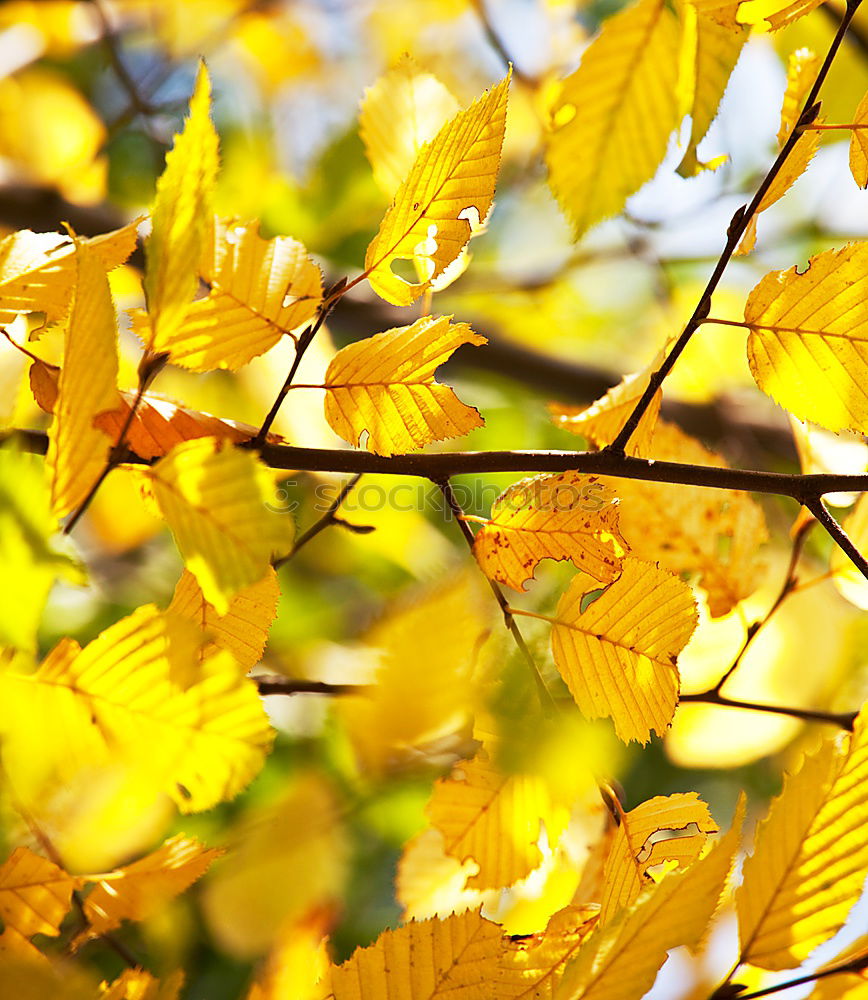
(844, 720)
(853, 965)
(275, 684)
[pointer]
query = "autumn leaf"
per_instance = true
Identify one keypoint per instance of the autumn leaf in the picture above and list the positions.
(615, 113)
(777, 13)
(297, 963)
(385, 385)
(181, 220)
(402, 111)
(807, 338)
(35, 896)
(140, 889)
(260, 290)
(449, 190)
(811, 857)
(859, 144)
(243, 630)
(139, 984)
(618, 653)
(215, 499)
(567, 516)
(494, 819)
(638, 845)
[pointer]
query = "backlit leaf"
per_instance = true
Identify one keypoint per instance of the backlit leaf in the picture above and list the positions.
(297, 963)
(638, 845)
(778, 13)
(615, 113)
(385, 385)
(567, 516)
(808, 342)
(810, 861)
(402, 111)
(181, 220)
(216, 500)
(494, 819)
(449, 190)
(139, 890)
(847, 985)
(859, 144)
(259, 290)
(77, 450)
(138, 984)
(618, 656)
(35, 896)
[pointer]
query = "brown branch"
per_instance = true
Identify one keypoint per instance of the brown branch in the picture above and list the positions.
(844, 720)
(328, 518)
(816, 506)
(735, 232)
(853, 965)
(275, 684)
(496, 42)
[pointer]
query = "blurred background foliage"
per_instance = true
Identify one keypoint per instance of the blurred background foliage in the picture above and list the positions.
(90, 96)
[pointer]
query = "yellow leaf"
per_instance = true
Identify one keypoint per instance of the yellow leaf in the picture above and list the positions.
(859, 144)
(601, 422)
(287, 861)
(38, 271)
(32, 977)
(777, 13)
(715, 42)
(385, 385)
(458, 957)
(431, 883)
(495, 819)
(807, 339)
(802, 68)
(811, 856)
(243, 630)
(618, 655)
(138, 984)
(139, 890)
(714, 534)
(297, 963)
(215, 499)
(77, 450)
(138, 689)
(620, 960)
(35, 896)
(568, 516)
(181, 220)
(402, 111)
(449, 190)
(615, 114)
(638, 846)
(259, 290)
(422, 694)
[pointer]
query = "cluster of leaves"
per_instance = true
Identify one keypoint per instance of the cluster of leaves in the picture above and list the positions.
(528, 875)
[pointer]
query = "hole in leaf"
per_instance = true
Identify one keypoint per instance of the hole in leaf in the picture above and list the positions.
(589, 598)
(405, 269)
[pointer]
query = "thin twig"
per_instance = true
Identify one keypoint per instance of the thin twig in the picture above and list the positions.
(329, 517)
(816, 506)
(546, 700)
(275, 684)
(736, 230)
(844, 720)
(111, 44)
(496, 42)
(853, 965)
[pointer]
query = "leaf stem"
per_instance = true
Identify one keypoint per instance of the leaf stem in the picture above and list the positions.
(735, 231)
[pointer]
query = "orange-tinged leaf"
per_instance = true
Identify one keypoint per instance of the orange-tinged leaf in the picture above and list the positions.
(615, 113)
(385, 385)
(138, 984)
(620, 960)
(618, 656)
(243, 630)
(181, 220)
(810, 861)
(859, 144)
(216, 500)
(259, 290)
(449, 190)
(35, 896)
(77, 450)
(139, 890)
(297, 963)
(458, 958)
(808, 336)
(402, 111)
(567, 516)
(494, 819)
(638, 846)
(38, 271)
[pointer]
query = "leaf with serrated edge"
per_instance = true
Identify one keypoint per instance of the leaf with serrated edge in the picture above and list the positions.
(811, 856)
(778, 13)
(568, 516)
(77, 450)
(216, 499)
(260, 290)
(450, 187)
(35, 896)
(618, 657)
(623, 99)
(859, 144)
(808, 342)
(385, 385)
(181, 219)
